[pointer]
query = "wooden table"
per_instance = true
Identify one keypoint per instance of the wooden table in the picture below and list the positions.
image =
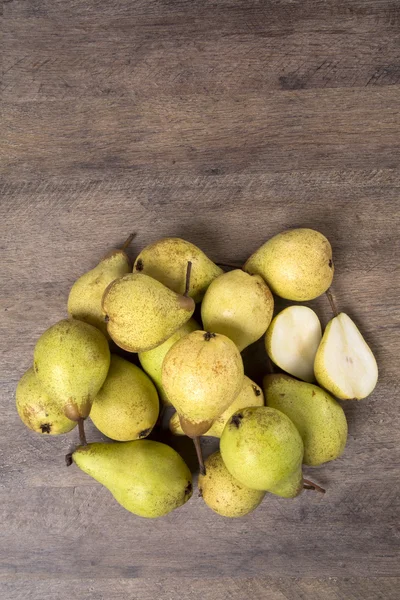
(224, 123)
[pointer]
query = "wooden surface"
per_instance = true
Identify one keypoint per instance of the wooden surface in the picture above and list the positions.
(222, 122)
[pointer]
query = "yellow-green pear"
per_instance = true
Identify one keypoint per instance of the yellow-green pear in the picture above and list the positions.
(126, 408)
(152, 360)
(296, 264)
(166, 260)
(37, 409)
(239, 306)
(249, 395)
(319, 418)
(344, 363)
(71, 361)
(292, 341)
(223, 493)
(262, 448)
(202, 374)
(142, 312)
(147, 478)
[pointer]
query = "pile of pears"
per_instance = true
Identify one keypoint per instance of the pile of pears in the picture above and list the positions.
(196, 369)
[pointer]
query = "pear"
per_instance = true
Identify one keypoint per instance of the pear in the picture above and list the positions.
(292, 341)
(152, 360)
(296, 264)
(239, 306)
(262, 449)
(147, 478)
(126, 408)
(84, 300)
(37, 410)
(71, 361)
(344, 363)
(223, 493)
(142, 313)
(166, 261)
(249, 395)
(319, 418)
(202, 374)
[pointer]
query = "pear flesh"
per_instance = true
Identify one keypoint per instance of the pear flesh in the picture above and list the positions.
(344, 363)
(166, 260)
(36, 408)
(292, 341)
(296, 264)
(126, 408)
(239, 306)
(202, 374)
(147, 478)
(223, 493)
(71, 361)
(142, 313)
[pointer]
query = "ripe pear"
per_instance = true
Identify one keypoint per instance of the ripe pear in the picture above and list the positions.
(239, 306)
(344, 363)
(296, 264)
(319, 418)
(152, 360)
(71, 361)
(202, 374)
(126, 408)
(147, 478)
(84, 301)
(292, 341)
(142, 313)
(262, 448)
(37, 410)
(223, 493)
(166, 261)
(249, 395)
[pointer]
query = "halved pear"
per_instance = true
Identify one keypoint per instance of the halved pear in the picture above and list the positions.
(292, 341)
(344, 363)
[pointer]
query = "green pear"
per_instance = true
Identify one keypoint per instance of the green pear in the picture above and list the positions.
(202, 374)
(239, 306)
(147, 478)
(142, 313)
(292, 341)
(319, 418)
(344, 363)
(249, 395)
(126, 408)
(223, 493)
(152, 360)
(37, 410)
(296, 264)
(71, 361)
(262, 448)
(84, 301)
(166, 261)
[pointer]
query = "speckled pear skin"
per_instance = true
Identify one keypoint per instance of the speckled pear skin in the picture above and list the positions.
(249, 395)
(319, 418)
(239, 306)
(37, 410)
(223, 493)
(296, 264)
(202, 374)
(142, 312)
(152, 360)
(84, 301)
(166, 260)
(126, 408)
(262, 448)
(147, 478)
(291, 487)
(71, 361)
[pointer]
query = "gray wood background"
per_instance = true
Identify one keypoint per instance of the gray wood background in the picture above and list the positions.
(222, 122)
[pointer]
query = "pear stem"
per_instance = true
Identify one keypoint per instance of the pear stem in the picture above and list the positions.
(332, 302)
(270, 366)
(310, 485)
(229, 265)
(188, 273)
(197, 445)
(81, 428)
(128, 241)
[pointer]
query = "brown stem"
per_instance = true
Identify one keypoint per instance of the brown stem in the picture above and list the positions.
(197, 445)
(332, 302)
(270, 366)
(128, 241)
(229, 265)
(310, 485)
(188, 272)
(81, 428)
